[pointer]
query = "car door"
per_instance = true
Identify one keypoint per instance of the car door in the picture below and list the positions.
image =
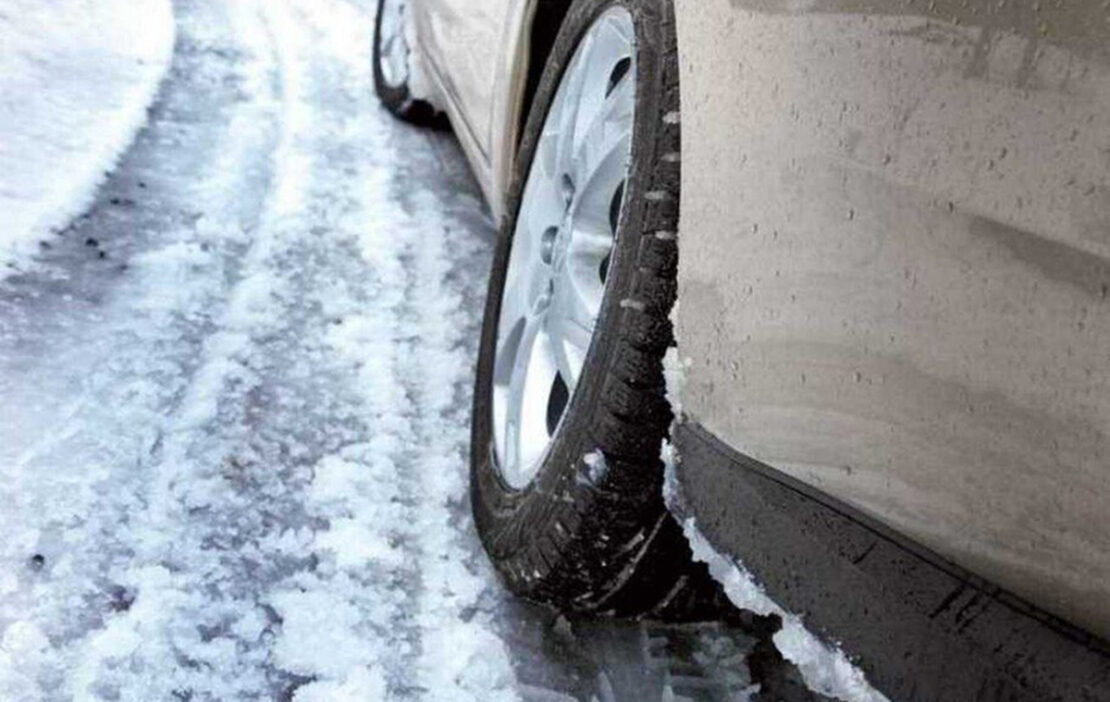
(895, 271)
(464, 40)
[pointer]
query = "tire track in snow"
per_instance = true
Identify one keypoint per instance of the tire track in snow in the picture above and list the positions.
(411, 325)
(234, 599)
(462, 659)
(96, 352)
(185, 629)
(287, 538)
(368, 574)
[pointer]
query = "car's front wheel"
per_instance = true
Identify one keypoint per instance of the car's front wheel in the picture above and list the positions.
(570, 409)
(392, 57)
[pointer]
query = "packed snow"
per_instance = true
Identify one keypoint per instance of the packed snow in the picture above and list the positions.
(76, 79)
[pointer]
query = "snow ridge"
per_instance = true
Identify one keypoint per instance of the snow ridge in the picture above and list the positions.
(76, 79)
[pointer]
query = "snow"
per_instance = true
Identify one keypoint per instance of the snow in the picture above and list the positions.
(824, 668)
(596, 467)
(274, 502)
(362, 685)
(76, 78)
(674, 374)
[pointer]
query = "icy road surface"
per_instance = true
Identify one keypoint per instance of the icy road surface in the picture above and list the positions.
(236, 397)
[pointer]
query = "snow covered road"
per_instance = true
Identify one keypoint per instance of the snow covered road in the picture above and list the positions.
(232, 448)
(76, 78)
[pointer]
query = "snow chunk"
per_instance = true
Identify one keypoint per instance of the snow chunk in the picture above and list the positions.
(361, 685)
(356, 545)
(596, 467)
(321, 634)
(22, 648)
(674, 371)
(76, 79)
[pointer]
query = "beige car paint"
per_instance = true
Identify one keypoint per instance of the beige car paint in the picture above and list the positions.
(434, 52)
(465, 39)
(479, 59)
(895, 253)
(895, 260)
(509, 109)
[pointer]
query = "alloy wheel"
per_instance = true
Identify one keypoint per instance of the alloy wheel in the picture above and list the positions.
(561, 247)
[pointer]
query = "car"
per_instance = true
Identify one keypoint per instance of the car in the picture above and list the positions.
(870, 242)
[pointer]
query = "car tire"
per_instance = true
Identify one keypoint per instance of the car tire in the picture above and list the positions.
(393, 90)
(582, 539)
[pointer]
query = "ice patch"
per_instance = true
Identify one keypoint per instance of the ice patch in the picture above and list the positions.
(76, 78)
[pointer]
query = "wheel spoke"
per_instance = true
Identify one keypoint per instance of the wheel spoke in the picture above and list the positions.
(517, 356)
(569, 344)
(573, 316)
(542, 207)
(592, 209)
(515, 306)
(599, 101)
(612, 120)
(602, 165)
(568, 100)
(592, 244)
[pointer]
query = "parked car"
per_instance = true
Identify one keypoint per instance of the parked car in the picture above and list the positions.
(887, 225)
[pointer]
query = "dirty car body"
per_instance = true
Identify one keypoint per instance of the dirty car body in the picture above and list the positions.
(893, 306)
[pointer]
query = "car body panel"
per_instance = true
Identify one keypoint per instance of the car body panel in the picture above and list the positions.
(509, 110)
(464, 40)
(433, 44)
(895, 260)
(477, 54)
(920, 628)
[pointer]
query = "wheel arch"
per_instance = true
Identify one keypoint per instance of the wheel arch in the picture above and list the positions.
(532, 27)
(547, 18)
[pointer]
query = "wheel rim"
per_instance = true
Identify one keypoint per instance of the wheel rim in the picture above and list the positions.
(393, 46)
(561, 247)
